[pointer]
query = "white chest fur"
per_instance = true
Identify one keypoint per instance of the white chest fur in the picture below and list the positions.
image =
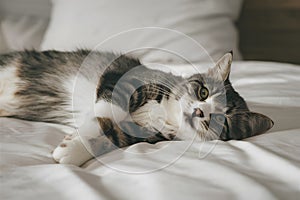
(9, 82)
(158, 116)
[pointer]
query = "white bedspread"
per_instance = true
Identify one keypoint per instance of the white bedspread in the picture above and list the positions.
(263, 167)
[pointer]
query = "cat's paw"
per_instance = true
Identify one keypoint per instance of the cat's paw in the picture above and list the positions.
(168, 130)
(71, 151)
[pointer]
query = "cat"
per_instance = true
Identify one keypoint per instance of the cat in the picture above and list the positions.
(130, 102)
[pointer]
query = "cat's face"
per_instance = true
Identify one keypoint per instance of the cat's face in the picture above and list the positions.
(211, 109)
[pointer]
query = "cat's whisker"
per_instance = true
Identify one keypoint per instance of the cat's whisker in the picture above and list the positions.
(174, 90)
(165, 82)
(165, 89)
(157, 91)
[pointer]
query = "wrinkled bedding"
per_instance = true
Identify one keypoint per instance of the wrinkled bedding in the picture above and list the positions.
(261, 167)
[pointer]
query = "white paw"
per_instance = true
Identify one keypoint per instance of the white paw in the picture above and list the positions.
(71, 151)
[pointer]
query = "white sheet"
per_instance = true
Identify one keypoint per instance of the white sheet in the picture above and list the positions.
(262, 167)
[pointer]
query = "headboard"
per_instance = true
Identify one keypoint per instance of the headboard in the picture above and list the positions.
(270, 30)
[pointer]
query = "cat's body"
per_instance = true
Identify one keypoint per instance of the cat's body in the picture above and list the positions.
(130, 102)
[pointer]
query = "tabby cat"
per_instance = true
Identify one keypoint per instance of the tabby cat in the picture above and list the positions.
(130, 102)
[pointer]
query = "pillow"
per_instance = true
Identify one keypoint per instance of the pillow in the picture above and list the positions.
(3, 46)
(24, 32)
(85, 24)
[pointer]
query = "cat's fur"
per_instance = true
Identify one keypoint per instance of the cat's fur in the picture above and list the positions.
(132, 103)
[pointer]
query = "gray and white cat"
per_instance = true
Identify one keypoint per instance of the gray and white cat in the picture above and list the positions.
(131, 103)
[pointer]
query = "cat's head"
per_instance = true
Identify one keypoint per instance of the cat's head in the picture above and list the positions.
(214, 110)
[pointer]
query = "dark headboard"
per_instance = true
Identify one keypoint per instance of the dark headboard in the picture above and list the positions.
(270, 30)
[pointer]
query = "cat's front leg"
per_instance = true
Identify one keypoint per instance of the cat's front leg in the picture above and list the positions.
(77, 150)
(72, 150)
(89, 141)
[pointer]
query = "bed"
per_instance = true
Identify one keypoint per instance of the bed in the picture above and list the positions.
(261, 167)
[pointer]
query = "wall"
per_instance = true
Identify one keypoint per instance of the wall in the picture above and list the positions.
(270, 30)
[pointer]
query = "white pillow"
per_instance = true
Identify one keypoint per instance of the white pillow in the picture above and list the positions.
(3, 46)
(24, 32)
(85, 24)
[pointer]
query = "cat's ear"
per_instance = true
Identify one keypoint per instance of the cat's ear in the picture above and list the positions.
(247, 124)
(221, 70)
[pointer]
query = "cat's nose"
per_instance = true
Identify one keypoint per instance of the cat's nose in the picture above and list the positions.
(198, 113)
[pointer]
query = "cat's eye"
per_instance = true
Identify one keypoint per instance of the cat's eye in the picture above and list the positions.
(203, 93)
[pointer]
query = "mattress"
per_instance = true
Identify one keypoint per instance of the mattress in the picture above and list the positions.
(262, 167)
